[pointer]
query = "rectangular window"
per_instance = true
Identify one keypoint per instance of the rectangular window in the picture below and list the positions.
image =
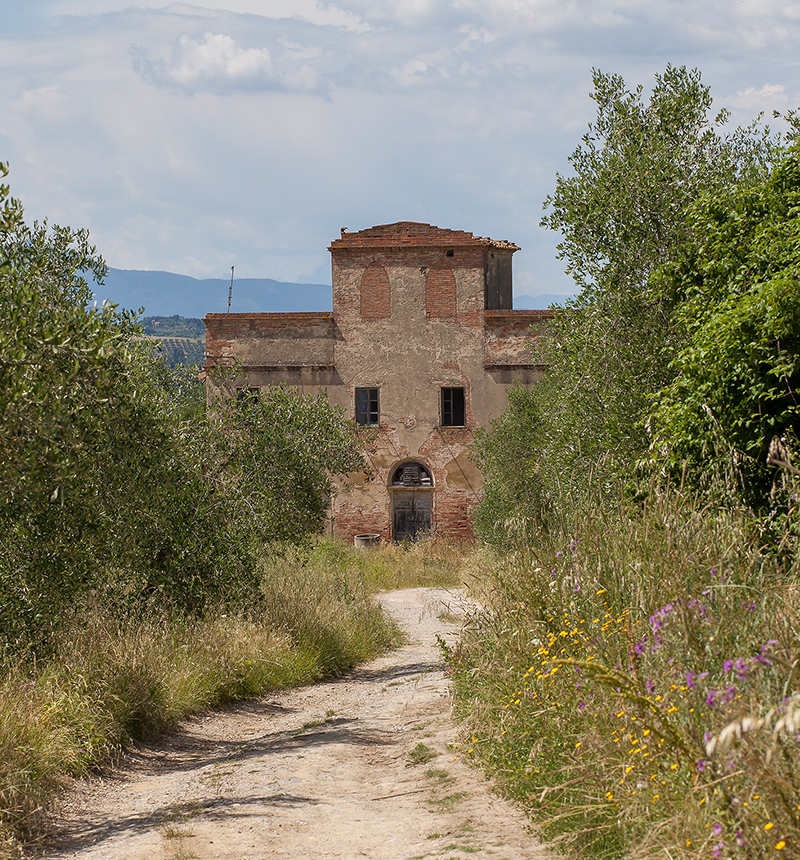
(367, 411)
(453, 407)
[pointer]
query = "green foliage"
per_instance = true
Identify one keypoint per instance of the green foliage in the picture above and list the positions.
(628, 683)
(272, 454)
(510, 489)
(735, 378)
(117, 488)
(638, 170)
(622, 213)
(111, 679)
(174, 326)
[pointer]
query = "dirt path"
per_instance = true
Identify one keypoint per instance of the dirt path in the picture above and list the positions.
(361, 767)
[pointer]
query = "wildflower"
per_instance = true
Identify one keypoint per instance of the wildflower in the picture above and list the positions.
(779, 846)
(691, 677)
(716, 851)
(769, 825)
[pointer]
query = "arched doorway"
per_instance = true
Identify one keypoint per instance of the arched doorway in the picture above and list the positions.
(411, 486)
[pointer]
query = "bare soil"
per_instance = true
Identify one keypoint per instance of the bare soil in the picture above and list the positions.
(363, 766)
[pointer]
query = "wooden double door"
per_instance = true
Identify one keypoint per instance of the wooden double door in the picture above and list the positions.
(411, 512)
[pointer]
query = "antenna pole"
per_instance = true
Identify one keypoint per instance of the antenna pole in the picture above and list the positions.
(230, 291)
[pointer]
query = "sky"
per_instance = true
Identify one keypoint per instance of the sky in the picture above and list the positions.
(192, 137)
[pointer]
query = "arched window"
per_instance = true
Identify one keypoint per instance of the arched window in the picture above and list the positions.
(411, 475)
(412, 501)
(376, 296)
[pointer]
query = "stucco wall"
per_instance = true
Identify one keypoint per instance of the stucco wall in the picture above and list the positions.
(414, 323)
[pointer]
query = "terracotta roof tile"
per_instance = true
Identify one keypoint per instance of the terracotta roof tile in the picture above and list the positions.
(412, 233)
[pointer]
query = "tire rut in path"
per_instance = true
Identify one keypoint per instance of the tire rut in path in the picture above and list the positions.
(358, 767)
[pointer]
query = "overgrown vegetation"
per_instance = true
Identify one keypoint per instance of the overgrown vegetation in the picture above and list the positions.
(118, 488)
(111, 677)
(635, 684)
(637, 219)
(159, 554)
(634, 680)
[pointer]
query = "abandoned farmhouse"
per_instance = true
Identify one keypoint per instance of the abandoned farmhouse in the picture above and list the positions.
(422, 345)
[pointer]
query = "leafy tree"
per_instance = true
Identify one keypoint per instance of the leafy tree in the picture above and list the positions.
(736, 287)
(115, 487)
(271, 456)
(510, 492)
(622, 213)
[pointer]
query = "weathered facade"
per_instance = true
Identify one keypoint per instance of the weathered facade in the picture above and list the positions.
(422, 345)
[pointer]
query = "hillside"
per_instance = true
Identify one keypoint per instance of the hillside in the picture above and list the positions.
(165, 294)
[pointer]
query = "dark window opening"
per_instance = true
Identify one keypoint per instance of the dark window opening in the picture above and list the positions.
(247, 395)
(411, 475)
(449, 253)
(454, 411)
(367, 410)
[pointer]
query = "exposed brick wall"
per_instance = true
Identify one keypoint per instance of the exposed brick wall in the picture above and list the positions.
(375, 293)
(412, 233)
(270, 339)
(351, 520)
(440, 292)
(508, 336)
(415, 308)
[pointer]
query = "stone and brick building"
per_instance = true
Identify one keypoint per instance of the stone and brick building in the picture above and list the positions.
(422, 345)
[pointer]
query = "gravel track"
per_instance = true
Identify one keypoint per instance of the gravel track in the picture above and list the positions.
(359, 767)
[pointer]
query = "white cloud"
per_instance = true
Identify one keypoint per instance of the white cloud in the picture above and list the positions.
(767, 98)
(305, 116)
(217, 63)
(318, 13)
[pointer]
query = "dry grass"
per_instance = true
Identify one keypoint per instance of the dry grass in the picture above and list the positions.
(113, 679)
(428, 562)
(632, 684)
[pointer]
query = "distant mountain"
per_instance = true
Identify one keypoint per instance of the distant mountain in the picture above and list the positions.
(539, 303)
(166, 294)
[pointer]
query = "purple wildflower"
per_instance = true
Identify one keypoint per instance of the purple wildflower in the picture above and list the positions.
(691, 677)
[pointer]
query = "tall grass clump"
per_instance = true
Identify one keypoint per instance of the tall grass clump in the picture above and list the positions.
(634, 683)
(429, 562)
(111, 680)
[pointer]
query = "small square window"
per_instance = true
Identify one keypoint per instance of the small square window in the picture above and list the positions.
(367, 409)
(453, 407)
